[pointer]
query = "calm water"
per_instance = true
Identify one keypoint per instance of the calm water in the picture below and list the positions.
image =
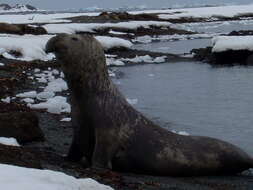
(195, 98)
(175, 47)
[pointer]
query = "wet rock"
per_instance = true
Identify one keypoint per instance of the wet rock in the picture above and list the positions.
(226, 58)
(233, 57)
(24, 126)
(203, 54)
(19, 156)
(241, 33)
(21, 29)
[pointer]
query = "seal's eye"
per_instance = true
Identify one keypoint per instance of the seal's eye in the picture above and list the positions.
(74, 39)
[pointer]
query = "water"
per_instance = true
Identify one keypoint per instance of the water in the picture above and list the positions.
(195, 98)
(175, 47)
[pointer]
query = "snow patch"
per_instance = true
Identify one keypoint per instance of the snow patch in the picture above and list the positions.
(6, 100)
(55, 105)
(9, 141)
(225, 43)
(112, 42)
(13, 177)
(31, 47)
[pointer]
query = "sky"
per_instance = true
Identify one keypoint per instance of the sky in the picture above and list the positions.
(77, 4)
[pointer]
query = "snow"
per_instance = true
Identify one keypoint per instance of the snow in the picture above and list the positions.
(225, 43)
(66, 119)
(13, 177)
(6, 100)
(41, 18)
(31, 47)
(31, 94)
(45, 95)
(28, 100)
(90, 27)
(57, 85)
(111, 42)
(55, 105)
(8, 141)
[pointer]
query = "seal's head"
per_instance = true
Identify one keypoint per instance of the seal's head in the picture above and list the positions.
(82, 58)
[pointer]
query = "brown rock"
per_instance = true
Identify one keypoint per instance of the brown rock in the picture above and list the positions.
(10, 28)
(24, 126)
(19, 156)
(21, 29)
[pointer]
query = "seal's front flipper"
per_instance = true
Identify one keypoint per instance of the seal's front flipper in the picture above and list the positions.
(104, 151)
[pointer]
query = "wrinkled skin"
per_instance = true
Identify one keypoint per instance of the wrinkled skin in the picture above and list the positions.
(111, 134)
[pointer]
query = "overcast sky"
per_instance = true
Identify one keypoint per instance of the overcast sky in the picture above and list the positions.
(67, 4)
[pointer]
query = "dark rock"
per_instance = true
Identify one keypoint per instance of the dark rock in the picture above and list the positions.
(233, 57)
(19, 156)
(226, 58)
(9, 28)
(203, 54)
(241, 33)
(24, 126)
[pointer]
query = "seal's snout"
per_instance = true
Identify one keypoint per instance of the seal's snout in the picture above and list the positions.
(55, 44)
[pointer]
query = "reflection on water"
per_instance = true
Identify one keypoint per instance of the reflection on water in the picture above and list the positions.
(195, 98)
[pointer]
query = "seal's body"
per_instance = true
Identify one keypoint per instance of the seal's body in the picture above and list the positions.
(111, 134)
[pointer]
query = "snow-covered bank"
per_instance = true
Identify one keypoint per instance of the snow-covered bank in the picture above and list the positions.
(41, 18)
(202, 12)
(32, 47)
(225, 43)
(13, 177)
(90, 27)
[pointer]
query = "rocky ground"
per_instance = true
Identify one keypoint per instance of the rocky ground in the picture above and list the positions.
(46, 140)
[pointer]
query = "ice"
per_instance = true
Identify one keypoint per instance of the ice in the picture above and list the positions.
(55, 105)
(114, 62)
(19, 178)
(145, 59)
(8, 142)
(31, 94)
(224, 43)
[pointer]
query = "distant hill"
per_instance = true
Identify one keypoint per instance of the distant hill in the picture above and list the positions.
(17, 7)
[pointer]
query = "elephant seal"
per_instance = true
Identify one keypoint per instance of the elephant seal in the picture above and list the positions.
(111, 134)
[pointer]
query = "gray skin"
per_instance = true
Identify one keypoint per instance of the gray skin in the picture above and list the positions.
(111, 134)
